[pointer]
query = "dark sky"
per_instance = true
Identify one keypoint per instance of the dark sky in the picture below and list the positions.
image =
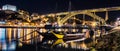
(47, 6)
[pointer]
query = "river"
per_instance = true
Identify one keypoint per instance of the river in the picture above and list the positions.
(22, 39)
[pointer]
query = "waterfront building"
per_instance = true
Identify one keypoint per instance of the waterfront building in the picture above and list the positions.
(9, 7)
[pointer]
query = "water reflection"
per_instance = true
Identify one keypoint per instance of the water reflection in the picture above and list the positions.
(2, 32)
(12, 37)
(69, 44)
(20, 39)
(6, 46)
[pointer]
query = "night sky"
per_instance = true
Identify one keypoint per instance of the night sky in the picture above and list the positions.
(48, 6)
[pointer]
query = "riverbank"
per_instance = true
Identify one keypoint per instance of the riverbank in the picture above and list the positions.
(109, 42)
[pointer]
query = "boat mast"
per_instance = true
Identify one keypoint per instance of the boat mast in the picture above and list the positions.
(69, 10)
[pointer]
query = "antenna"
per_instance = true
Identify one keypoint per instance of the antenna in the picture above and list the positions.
(69, 7)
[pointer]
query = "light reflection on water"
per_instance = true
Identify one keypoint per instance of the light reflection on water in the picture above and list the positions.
(4, 44)
(71, 44)
(2, 32)
(8, 35)
(8, 46)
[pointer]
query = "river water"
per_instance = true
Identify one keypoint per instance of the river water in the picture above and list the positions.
(22, 39)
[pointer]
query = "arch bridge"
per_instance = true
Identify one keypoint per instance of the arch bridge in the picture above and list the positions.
(89, 12)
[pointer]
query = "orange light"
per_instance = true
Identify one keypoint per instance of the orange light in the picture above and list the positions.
(93, 24)
(42, 16)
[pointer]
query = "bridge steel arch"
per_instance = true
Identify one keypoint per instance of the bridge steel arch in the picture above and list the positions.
(71, 14)
(89, 12)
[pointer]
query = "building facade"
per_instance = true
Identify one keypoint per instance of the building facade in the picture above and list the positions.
(9, 7)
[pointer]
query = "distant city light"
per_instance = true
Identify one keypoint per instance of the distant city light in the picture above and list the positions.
(42, 16)
(118, 18)
(117, 23)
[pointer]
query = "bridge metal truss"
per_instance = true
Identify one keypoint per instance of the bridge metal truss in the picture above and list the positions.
(89, 12)
(63, 20)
